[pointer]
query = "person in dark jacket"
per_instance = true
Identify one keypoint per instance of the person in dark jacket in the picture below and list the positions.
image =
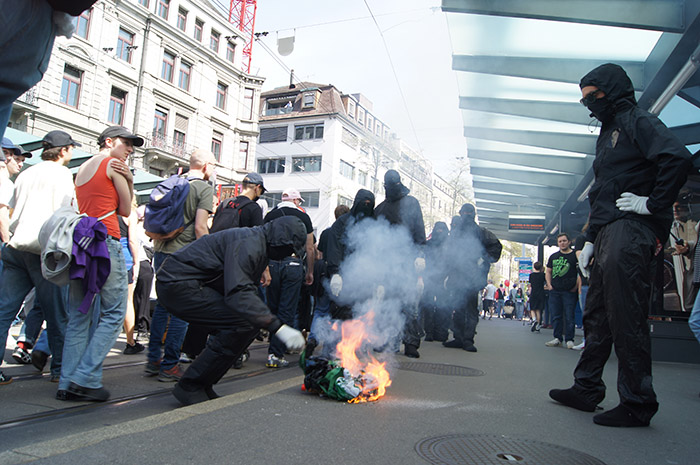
(213, 282)
(399, 208)
(639, 169)
(436, 319)
(471, 251)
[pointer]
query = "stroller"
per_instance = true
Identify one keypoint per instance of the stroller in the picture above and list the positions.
(509, 309)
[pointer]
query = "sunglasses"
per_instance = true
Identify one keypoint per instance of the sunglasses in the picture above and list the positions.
(589, 98)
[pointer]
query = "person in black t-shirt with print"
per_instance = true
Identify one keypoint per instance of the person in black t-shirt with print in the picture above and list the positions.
(537, 297)
(561, 277)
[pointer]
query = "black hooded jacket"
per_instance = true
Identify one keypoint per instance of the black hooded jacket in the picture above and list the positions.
(469, 242)
(635, 152)
(401, 208)
(232, 262)
(362, 208)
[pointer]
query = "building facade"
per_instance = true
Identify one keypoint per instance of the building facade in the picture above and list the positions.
(169, 70)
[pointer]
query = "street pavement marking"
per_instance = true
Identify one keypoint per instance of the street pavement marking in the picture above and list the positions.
(83, 439)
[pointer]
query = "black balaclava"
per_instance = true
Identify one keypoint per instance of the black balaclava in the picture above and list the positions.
(454, 224)
(618, 88)
(440, 233)
(363, 205)
(393, 187)
(467, 224)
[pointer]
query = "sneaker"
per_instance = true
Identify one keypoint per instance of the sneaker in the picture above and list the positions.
(171, 375)
(152, 368)
(135, 349)
(579, 346)
(553, 343)
(21, 356)
(39, 359)
(569, 344)
(276, 362)
(94, 394)
(184, 358)
(539, 326)
(238, 364)
(5, 379)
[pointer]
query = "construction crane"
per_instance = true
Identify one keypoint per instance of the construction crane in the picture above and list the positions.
(242, 14)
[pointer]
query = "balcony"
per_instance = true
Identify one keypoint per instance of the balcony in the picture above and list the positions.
(278, 111)
(167, 146)
(30, 97)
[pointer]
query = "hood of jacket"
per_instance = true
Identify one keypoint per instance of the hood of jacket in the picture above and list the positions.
(613, 80)
(286, 231)
(439, 234)
(363, 205)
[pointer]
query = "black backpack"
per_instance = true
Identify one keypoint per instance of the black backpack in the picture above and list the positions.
(228, 215)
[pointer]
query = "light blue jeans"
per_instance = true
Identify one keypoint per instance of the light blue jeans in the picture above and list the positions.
(27, 34)
(694, 320)
(90, 336)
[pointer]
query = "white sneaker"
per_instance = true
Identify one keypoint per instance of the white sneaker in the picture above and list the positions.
(553, 343)
(580, 346)
(569, 344)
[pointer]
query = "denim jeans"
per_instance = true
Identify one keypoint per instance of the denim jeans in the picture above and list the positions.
(321, 311)
(694, 320)
(499, 307)
(519, 309)
(42, 344)
(32, 322)
(283, 295)
(91, 335)
(562, 305)
(162, 321)
(21, 272)
(27, 34)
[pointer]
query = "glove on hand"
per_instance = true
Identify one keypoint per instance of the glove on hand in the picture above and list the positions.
(419, 264)
(336, 284)
(291, 338)
(629, 202)
(584, 260)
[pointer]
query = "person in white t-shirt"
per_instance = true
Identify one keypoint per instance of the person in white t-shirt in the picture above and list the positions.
(489, 299)
(9, 169)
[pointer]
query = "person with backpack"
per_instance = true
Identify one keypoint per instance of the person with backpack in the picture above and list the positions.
(104, 187)
(189, 202)
(39, 192)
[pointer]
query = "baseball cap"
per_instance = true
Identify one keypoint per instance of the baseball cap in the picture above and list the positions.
(113, 132)
(291, 194)
(255, 178)
(57, 138)
(9, 145)
(392, 177)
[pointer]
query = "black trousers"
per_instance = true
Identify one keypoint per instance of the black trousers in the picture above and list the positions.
(620, 295)
(466, 316)
(142, 296)
(205, 307)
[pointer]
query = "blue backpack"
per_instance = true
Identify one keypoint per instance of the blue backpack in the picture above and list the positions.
(164, 218)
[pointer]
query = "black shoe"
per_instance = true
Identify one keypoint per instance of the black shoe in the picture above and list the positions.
(429, 338)
(411, 351)
(191, 397)
(620, 416)
(135, 349)
(469, 348)
(210, 393)
(96, 394)
(453, 344)
(65, 395)
(39, 359)
(572, 398)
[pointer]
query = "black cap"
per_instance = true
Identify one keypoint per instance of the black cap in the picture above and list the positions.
(467, 209)
(58, 139)
(392, 177)
(255, 178)
(113, 132)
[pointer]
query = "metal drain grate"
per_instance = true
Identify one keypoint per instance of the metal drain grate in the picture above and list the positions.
(440, 369)
(480, 449)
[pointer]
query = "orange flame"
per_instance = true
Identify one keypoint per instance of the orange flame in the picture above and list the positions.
(375, 378)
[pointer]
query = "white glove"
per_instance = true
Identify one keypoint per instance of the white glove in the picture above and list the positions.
(629, 202)
(336, 284)
(584, 259)
(291, 338)
(420, 285)
(419, 264)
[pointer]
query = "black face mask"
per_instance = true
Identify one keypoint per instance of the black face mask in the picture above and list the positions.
(602, 109)
(364, 209)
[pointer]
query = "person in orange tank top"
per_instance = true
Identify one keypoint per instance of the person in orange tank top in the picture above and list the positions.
(104, 186)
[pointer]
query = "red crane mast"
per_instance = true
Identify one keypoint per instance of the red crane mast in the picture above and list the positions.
(242, 14)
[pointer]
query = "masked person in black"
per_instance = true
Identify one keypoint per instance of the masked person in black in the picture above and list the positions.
(471, 250)
(639, 169)
(435, 317)
(399, 208)
(213, 283)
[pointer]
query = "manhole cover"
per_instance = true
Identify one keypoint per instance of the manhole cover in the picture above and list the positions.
(440, 369)
(467, 449)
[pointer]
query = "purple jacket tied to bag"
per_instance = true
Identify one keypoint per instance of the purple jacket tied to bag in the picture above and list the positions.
(91, 261)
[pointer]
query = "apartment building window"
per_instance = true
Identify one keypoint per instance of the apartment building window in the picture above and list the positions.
(347, 170)
(306, 164)
(243, 155)
(361, 116)
(117, 104)
(349, 138)
(272, 198)
(82, 29)
(370, 122)
(180, 133)
(308, 132)
(221, 91)
(168, 65)
(311, 198)
(125, 44)
(275, 134)
(144, 3)
(309, 100)
(248, 95)
(183, 81)
(271, 165)
(351, 109)
(70, 87)
(230, 51)
(217, 142)
(198, 28)
(160, 123)
(362, 178)
(342, 200)
(163, 8)
(378, 128)
(214, 41)
(182, 19)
